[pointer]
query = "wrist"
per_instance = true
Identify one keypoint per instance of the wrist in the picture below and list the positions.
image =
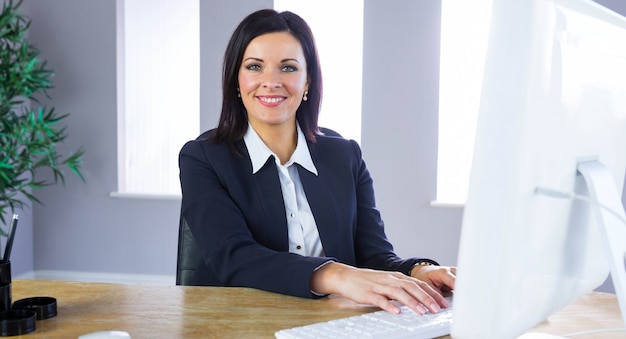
(420, 264)
(324, 280)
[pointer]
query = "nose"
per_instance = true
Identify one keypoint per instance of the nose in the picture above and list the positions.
(271, 79)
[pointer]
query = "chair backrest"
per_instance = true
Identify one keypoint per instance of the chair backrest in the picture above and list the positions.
(189, 255)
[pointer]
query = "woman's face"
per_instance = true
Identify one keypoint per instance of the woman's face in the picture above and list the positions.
(272, 79)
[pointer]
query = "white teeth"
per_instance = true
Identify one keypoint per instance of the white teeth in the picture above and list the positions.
(271, 100)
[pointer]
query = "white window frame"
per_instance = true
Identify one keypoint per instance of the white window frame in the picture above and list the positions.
(158, 88)
(464, 34)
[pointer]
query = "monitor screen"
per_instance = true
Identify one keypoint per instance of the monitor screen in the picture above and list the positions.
(553, 98)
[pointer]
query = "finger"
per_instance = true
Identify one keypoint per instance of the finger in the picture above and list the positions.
(401, 293)
(442, 280)
(419, 296)
(438, 300)
(448, 279)
(385, 304)
(441, 300)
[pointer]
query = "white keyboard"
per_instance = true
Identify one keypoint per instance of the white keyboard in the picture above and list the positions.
(381, 324)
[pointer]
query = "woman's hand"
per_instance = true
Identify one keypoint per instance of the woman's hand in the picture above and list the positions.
(440, 278)
(379, 288)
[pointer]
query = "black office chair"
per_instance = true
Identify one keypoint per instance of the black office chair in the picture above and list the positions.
(188, 252)
(188, 255)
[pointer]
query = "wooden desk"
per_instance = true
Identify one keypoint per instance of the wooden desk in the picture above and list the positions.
(591, 312)
(216, 312)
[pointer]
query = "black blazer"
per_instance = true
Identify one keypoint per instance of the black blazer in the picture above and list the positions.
(238, 218)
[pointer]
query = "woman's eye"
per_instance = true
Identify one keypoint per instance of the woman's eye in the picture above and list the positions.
(289, 68)
(253, 67)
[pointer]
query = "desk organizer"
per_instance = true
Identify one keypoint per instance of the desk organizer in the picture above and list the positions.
(45, 307)
(17, 322)
(20, 317)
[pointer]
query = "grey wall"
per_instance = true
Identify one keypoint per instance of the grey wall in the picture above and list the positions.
(399, 131)
(617, 6)
(81, 228)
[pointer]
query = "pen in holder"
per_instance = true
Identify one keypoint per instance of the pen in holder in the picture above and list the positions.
(19, 317)
(12, 321)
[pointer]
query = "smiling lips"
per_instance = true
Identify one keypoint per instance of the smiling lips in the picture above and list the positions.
(271, 101)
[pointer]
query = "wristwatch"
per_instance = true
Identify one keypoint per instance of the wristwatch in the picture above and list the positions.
(423, 262)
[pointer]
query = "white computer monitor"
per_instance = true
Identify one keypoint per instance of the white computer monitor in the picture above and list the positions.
(553, 105)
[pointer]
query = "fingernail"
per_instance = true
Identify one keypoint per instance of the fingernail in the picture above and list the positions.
(435, 308)
(422, 309)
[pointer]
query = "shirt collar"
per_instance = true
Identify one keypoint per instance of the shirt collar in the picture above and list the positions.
(259, 152)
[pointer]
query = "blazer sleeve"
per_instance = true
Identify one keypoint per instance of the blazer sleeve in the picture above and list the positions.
(220, 207)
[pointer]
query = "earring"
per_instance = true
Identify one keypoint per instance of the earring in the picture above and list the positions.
(305, 98)
(238, 93)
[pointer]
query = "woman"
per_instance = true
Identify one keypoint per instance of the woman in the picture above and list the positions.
(275, 204)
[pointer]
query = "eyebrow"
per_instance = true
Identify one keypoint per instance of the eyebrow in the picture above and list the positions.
(261, 60)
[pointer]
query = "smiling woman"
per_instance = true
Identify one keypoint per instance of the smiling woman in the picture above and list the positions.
(273, 82)
(279, 51)
(275, 204)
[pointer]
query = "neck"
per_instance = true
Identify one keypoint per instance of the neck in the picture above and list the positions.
(280, 139)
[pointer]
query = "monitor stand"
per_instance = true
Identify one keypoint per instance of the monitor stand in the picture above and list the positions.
(612, 219)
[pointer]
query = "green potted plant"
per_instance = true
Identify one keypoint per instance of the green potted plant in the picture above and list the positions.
(29, 133)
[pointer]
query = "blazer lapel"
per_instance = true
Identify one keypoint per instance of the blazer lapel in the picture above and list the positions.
(270, 196)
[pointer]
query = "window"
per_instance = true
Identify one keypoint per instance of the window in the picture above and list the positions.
(338, 30)
(158, 59)
(464, 32)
